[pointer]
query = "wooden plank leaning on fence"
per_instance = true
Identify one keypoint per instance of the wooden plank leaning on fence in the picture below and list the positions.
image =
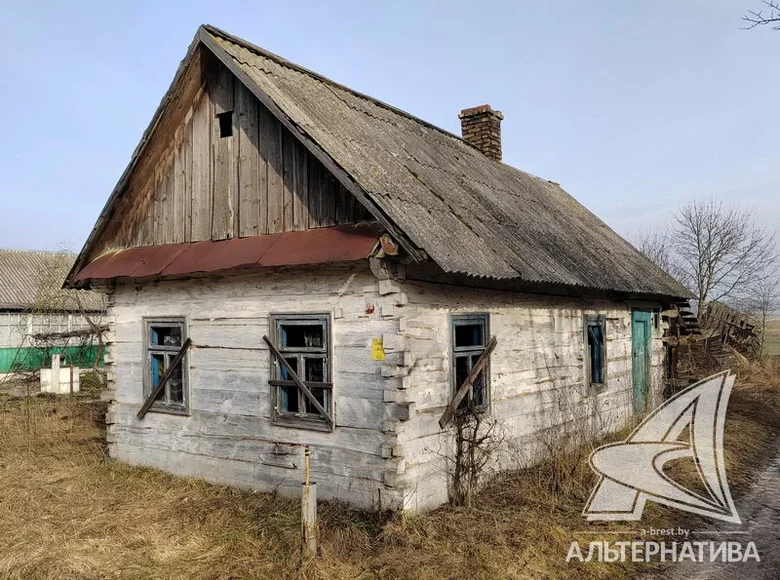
(464, 388)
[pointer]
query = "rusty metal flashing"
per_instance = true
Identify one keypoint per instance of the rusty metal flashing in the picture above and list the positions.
(316, 246)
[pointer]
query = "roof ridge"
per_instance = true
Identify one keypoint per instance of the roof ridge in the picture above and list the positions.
(46, 252)
(294, 66)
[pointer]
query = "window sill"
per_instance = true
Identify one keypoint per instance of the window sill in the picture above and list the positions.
(477, 409)
(182, 411)
(302, 423)
(597, 388)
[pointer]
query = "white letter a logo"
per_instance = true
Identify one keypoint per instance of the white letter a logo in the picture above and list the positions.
(632, 472)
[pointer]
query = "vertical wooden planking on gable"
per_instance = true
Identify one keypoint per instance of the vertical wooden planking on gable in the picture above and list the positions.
(262, 173)
(349, 205)
(301, 188)
(147, 230)
(361, 213)
(201, 170)
(248, 164)
(159, 209)
(179, 174)
(271, 135)
(144, 214)
(328, 189)
(314, 177)
(166, 183)
(225, 183)
(187, 175)
(288, 165)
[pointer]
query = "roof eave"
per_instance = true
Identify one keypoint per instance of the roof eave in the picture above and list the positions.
(203, 37)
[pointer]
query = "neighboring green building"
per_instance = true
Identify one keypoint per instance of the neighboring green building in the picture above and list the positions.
(38, 318)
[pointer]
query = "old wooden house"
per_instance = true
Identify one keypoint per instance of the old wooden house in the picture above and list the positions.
(290, 262)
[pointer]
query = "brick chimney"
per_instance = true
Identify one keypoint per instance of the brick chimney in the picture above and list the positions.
(481, 127)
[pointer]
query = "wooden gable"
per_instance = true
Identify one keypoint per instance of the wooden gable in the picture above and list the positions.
(219, 165)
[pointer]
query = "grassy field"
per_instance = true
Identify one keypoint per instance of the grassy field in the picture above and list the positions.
(772, 339)
(68, 512)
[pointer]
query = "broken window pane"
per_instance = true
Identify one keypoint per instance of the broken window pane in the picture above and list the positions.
(322, 396)
(175, 386)
(596, 351)
(293, 362)
(288, 399)
(315, 369)
(158, 370)
(478, 386)
(165, 335)
(462, 368)
(469, 335)
(302, 335)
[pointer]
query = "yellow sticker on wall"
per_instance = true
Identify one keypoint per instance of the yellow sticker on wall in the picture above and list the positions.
(377, 349)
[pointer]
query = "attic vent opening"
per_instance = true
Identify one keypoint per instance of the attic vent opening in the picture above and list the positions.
(225, 124)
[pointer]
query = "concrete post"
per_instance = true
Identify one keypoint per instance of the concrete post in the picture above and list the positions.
(55, 373)
(309, 519)
(309, 525)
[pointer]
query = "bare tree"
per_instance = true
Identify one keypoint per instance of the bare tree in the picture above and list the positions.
(758, 18)
(762, 301)
(720, 250)
(658, 247)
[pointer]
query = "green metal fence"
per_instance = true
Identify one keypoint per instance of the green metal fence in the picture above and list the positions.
(31, 358)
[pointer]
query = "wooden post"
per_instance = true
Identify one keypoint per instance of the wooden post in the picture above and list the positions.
(309, 525)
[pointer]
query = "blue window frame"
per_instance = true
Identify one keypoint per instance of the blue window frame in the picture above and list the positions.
(303, 340)
(163, 338)
(470, 334)
(596, 350)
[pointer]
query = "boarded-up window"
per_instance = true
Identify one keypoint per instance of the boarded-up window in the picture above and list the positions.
(469, 339)
(163, 339)
(596, 350)
(304, 342)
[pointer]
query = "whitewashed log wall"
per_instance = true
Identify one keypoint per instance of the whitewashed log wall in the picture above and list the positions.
(538, 378)
(228, 437)
(387, 448)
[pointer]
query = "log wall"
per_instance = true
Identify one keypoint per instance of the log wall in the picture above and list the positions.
(387, 448)
(537, 378)
(228, 436)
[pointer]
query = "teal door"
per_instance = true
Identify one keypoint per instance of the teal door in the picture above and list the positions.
(640, 357)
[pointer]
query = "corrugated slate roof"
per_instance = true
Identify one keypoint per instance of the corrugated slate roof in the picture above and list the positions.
(470, 214)
(33, 280)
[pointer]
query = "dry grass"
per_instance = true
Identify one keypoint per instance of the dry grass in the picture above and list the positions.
(772, 338)
(67, 512)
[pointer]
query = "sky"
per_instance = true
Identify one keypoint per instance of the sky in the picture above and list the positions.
(633, 107)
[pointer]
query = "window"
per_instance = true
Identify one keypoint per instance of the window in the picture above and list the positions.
(596, 351)
(225, 124)
(163, 339)
(469, 339)
(304, 342)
